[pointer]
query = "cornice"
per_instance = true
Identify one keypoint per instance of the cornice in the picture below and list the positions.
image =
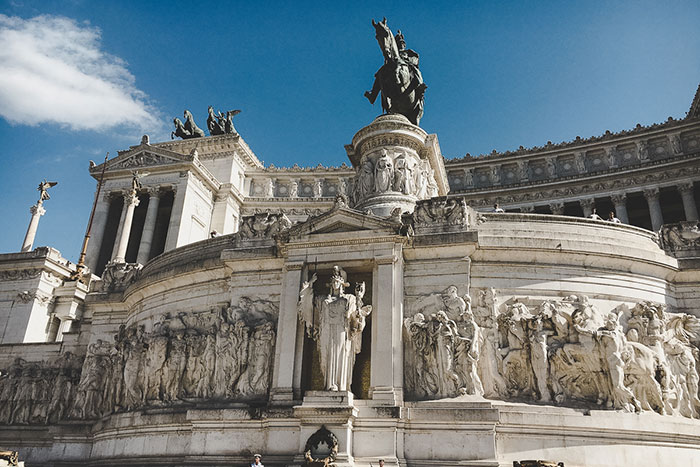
(591, 177)
(593, 142)
(561, 190)
(296, 169)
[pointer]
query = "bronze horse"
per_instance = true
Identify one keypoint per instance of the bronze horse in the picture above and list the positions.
(399, 80)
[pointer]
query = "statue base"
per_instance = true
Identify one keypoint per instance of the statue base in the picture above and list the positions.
(383, 204)
(328, 399)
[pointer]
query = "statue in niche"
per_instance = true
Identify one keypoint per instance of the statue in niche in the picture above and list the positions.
(383, 173)
(399, 80)
(336, 322)
(364, 184)
(404, 176)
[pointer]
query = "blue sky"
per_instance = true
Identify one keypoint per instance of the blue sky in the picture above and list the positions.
(80, 78)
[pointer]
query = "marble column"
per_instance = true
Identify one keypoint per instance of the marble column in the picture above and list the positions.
(37, 211)
(97, 232)
(120, 227)
(131, 200)
(620, 202)
(149, 225)
(587, 205)
(657, 217)
(557, 208)
(691, 210)
(174, 227)
(386, 373)
(286, 372)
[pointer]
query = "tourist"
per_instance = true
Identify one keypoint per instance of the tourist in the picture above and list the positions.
(257, 461)
(214, 234)
(594, 215)
(613, 219)
(497, 208)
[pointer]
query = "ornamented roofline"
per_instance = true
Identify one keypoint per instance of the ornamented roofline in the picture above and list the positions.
(565, 180)
(607, 137)
(565, 190)
(319, 168)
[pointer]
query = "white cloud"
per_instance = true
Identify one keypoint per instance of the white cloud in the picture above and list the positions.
(52, 70)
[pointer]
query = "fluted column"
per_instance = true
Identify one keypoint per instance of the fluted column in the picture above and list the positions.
(657, 217)
(99, 224)
(587, 205)
(131, 200)
(557, 208)
(691, 210)
(120, 227)
(149, 225)
(37, 211)
(620, 202)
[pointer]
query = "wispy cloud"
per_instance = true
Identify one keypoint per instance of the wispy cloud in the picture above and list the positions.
(53, 70)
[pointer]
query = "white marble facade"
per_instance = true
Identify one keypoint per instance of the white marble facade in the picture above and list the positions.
(364, 308)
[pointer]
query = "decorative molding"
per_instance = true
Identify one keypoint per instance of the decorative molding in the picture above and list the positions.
(20, 274)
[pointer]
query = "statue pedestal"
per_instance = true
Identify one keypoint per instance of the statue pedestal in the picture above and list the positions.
(328, 399)
(333, 410)
(397, 163)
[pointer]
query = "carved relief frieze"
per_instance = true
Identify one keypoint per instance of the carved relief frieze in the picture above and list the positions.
(680, 236)
(185, 358)
(442, 346)
(20, 274)
(560, 350)
(262, 225)
(602, 186)
(39, 392)
(144, 159)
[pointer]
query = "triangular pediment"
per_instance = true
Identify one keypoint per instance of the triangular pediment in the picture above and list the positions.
(142, 156)
(344, 220)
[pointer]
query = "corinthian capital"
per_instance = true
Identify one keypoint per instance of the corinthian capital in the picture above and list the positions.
(619, 198)
(651, 193)
(685, 187)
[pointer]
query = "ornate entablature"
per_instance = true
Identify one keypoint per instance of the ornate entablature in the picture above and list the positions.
(625, 154)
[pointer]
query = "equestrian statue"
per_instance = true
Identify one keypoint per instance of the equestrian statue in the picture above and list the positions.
(399, 79)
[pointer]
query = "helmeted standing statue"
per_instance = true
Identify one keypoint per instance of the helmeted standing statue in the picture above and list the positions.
(336, 322)
(399, 79)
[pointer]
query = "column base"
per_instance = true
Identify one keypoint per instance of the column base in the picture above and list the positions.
(328, 399)
(386, 396)
(281, 396)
